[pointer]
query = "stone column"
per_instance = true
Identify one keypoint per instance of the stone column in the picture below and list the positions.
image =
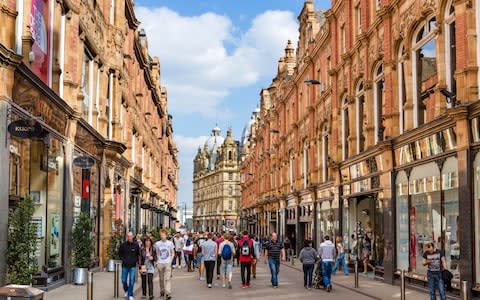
(4, 182)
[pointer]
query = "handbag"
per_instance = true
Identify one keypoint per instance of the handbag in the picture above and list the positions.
(143, 269)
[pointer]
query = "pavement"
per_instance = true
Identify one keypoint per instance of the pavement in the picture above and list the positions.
(186, 286)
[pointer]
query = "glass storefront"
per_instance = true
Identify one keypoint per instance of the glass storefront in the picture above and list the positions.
(476, 170)
(427, 211)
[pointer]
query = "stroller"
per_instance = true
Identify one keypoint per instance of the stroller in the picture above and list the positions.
(318, 276)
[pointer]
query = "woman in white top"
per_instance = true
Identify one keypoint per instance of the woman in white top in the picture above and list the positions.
(340, 257)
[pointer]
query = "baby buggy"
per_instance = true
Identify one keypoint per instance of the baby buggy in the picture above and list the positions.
(318, 276)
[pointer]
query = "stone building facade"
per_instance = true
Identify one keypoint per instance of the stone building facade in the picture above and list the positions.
(370, 127)
(80, 71)
(216, 184)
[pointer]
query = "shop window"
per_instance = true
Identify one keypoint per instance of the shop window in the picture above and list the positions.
(424, 71)
(360, 118)
(476, 172)
(345, 128)
(378, 104)
(14, 173)
(402, 221)
(450, 49)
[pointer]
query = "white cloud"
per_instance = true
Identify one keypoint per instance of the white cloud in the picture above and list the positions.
(198, 67)
(189, 145)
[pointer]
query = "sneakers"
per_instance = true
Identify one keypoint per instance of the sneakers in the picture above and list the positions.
(229, 285)
(209, 285)
(162, 294)
(202, 278)
(131, 298)
(329, 288)
(168, 297)
(244, 286)
(224, 285)
(218, 277)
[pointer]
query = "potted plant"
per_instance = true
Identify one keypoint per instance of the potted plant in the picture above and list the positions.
(22, 243)
(82, 248)
(116, 240)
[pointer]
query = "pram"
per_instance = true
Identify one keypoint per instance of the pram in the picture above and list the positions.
(318, 276)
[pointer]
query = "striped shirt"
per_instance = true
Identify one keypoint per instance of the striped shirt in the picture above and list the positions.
(274, 249)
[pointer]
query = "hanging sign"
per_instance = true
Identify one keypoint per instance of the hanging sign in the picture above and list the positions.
(84, 162)
(25, 129)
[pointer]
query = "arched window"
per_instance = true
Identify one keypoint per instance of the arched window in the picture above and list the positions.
(230, 155)
(424, 70)
(359, 104)
(378, 104)
(402, 92)
(450, 49)
(345, 128)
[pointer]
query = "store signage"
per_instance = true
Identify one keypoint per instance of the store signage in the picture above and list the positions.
(84, 162)
(41, 30)
(25, 129)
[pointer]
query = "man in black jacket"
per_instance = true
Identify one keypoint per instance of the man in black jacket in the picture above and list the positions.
(129, 253)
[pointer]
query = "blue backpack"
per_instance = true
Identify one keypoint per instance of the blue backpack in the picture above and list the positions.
(226, 252)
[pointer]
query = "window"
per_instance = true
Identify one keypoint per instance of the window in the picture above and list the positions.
(230, 205)
(230, 176)
(345, 128)
(134, 140)
(424, 71)
(230, 155)
(325, 154)
(291, 172)
(450, 50)
(342, 39)
(112, 12)
(358, 17)
(305, 164)
(378, 104)
(359, 105)
(402, 92)
(87, 85)
(108, 108)
(378, 4)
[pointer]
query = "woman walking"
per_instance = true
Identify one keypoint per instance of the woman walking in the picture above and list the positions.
(308, 256)
(147, 267)
(341, 259)
(367, 250)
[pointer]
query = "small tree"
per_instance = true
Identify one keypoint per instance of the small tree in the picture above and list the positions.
(82, 242)
(22, 243)
(116, 240)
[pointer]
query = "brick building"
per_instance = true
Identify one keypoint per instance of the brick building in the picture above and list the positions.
(371, 127)
(80, 72)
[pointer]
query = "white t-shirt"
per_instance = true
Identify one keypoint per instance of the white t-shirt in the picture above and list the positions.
(164, 251)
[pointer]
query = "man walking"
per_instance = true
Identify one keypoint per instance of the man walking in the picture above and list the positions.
(179, 243)
(209, 250)
(165, 253)
(435, 260)
(327, 254)
(129, 253)
(247, 254)
(226, 251)
(274, 251)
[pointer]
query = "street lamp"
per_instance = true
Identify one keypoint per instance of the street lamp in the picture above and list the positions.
(312, 81)
(451, 98)
(274, 131)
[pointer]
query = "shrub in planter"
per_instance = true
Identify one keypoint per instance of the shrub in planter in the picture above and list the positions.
(116, 240)
(22, 243)
(82, 242)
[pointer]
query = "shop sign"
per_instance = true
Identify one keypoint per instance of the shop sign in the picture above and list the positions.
(84, 162)
(40, 16)
(25, 129)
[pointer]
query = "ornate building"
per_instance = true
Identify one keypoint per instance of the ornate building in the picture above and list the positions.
(216, 184)
(371, 127)
(79, 74)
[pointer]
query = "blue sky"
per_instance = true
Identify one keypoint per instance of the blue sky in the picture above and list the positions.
(215, 56)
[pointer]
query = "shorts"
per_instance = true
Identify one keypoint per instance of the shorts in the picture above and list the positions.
(200, 258)
(226, 267)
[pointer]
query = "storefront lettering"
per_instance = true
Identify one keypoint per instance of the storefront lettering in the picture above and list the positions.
(25, 129)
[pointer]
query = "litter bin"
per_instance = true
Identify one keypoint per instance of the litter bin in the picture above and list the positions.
(17, 292)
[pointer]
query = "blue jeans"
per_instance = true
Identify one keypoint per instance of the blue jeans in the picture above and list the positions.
(435, 279)
(128, 287)
(274, 265)
(340, 261)
(308, 275)
(327, 273)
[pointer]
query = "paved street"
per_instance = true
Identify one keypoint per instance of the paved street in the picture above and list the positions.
(186, 286)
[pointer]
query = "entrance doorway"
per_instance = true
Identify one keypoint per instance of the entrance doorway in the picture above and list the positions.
(363, 229)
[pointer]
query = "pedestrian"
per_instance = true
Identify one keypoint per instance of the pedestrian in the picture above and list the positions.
(435, 261)
(246, 255)
(210, 251)
(327, 254)
(147, 267)
(129, 253)
(226, 251)
(237, 251)
(256, 250)
(274, 251)
(199, 254)
(366, 251)
(288, 247)
(165, 253)
(219, 240)
(188, 252)
(179, 243)
(308, 256)
(138, 239)
(341, 259)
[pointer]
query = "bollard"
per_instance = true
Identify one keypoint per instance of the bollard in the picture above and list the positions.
(116, 281)
(356, 274)
(402, 285)
(464, 292)
(90, 286)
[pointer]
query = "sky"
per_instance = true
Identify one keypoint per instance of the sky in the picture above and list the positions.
(215, 57)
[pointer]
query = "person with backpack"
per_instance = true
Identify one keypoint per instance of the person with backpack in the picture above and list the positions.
(226, 252)
(247, 254)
